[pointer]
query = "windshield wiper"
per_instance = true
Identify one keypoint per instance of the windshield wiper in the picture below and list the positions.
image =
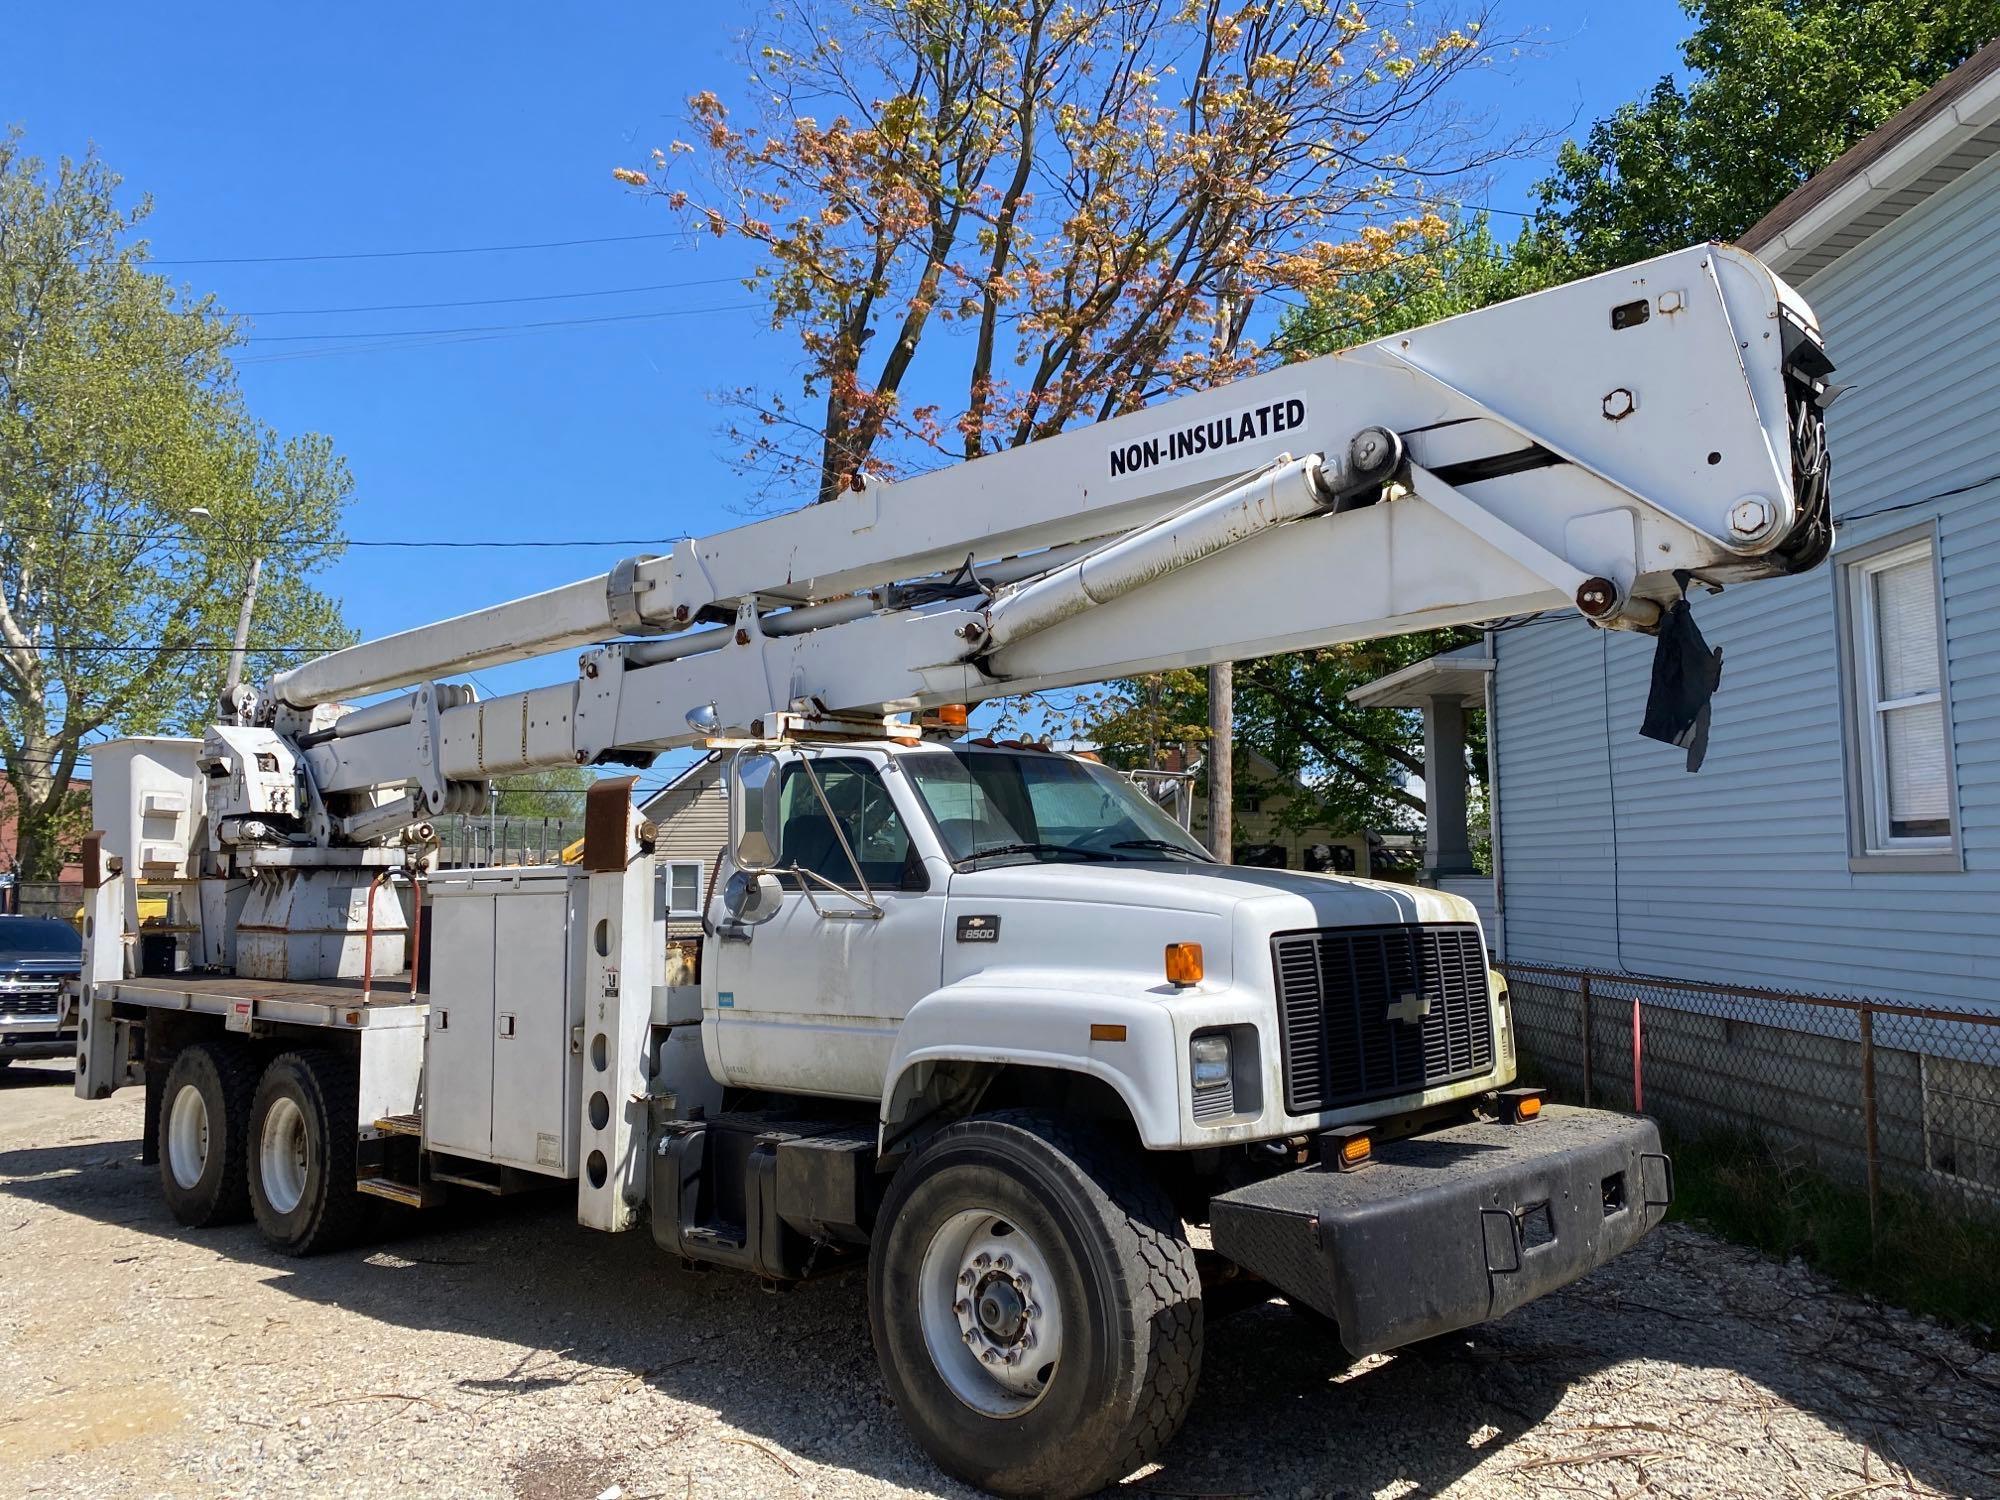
(1168, 846)
(1025, 848)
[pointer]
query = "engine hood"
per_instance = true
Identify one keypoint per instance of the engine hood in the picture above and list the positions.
(1283, 898)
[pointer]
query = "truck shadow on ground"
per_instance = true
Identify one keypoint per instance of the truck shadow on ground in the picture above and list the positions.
(1281, 1409)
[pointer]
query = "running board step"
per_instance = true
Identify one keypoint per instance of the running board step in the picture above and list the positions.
(410, 1195)
(477, 1184)
(411, 1124)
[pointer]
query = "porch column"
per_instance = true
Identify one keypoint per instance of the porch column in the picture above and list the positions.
(1447, 849)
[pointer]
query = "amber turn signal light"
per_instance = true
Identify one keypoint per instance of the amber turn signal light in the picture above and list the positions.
(1518, 1106)
(1346, 1147)
(1184, 963)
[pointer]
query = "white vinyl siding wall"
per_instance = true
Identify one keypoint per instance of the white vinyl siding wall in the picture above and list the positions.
(1614, 856)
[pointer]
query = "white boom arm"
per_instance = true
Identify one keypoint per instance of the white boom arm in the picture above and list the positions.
(1577, 448)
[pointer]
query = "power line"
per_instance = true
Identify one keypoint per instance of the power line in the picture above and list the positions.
(416, 543)
(616, 291)
(389, 333)
(272, 260)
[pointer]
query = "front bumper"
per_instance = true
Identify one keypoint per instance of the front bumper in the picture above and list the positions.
(1452, 1228)
(35, 1041)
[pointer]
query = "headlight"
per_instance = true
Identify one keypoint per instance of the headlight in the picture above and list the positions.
(1210, 1056)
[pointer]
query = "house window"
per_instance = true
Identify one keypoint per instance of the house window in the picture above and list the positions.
(683, 889)
(1900, 733)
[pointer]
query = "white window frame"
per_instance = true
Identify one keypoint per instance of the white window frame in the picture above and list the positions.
(667, 869)
(1872, 849)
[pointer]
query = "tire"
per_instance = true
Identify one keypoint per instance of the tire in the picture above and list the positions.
(204, 1115)
(1114, 1294)
(301, 1146)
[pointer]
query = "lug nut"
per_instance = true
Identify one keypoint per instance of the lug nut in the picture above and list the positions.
(1005, 1262)
(966, 1278)
(982, 1260)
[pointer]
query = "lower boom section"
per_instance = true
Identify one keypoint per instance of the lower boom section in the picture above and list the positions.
(1453, 1228)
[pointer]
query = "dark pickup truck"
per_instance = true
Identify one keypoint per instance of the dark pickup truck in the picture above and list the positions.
(38, 957)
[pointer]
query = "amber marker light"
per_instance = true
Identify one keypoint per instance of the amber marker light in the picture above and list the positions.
(953, 715)
(1183, 964)
(1346, 1147)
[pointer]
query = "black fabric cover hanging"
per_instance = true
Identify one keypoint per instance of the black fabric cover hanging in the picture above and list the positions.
(1686, 670)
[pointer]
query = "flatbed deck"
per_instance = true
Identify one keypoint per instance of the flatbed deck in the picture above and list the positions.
(337, 1003)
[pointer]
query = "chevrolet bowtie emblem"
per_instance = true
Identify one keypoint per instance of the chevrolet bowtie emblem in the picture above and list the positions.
(1410, 1008)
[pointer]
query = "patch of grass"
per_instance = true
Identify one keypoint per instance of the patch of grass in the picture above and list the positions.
(1925, 1257)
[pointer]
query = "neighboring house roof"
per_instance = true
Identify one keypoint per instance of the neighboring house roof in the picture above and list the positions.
(1922, 148)
(1459, 674)
(703, 773)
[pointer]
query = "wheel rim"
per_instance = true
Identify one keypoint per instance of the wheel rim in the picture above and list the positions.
(187, 1136)
(990, 1313)
(282, 1154)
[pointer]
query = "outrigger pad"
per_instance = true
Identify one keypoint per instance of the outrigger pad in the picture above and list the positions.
(1453, 1228)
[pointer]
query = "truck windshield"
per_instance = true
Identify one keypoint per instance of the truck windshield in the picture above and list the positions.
(38, 937)
(992, 804)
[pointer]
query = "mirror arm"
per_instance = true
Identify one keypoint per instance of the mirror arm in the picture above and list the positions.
(868, 900)
(869, 910)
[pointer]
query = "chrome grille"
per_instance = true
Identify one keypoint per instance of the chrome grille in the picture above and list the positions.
(25, 1000)
(1373, 1012)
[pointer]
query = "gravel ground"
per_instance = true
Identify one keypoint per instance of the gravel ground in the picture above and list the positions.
(509, 1353)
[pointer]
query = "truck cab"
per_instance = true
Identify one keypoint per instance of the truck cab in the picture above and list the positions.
(934, 906)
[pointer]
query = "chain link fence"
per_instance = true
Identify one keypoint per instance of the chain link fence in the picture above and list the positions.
(1867, 1092)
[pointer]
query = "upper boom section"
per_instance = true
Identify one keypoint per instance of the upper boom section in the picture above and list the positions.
(1674, 393)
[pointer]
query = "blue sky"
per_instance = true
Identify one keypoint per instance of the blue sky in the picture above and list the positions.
(280, 131)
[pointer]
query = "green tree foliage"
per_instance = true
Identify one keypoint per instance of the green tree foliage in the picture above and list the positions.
(554, 792)
(1342, 767)
(135, 492)
(1454, 269)
(1776, 90)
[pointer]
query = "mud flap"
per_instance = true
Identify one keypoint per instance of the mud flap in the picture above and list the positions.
(1452, 1228)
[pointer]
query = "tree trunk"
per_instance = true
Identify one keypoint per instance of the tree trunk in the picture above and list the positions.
(1222, 760)
(38, 853)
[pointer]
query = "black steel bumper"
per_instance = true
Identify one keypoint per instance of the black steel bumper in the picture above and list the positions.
(26, 1044)
(1453, 1228)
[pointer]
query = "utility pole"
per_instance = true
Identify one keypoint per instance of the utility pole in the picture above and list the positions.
(239, 650)
(1221, 760)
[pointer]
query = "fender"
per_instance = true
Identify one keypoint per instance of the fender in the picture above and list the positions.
(1047, 1027)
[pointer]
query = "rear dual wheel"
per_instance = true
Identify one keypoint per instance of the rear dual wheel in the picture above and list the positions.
(302, 1136)
(204, 1112)
(1035, 1306)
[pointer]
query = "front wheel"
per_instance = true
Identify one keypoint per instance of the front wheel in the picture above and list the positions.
(1035, 1306)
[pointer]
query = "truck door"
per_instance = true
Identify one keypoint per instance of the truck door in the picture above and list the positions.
(810, 1001)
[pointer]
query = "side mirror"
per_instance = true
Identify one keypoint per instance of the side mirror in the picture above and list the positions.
(753, 809)
(751, 898)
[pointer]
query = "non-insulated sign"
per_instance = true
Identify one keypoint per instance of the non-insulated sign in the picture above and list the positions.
(1230, 429)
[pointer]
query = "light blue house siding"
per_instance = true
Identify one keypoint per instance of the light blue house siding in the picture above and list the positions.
(1613, 856)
